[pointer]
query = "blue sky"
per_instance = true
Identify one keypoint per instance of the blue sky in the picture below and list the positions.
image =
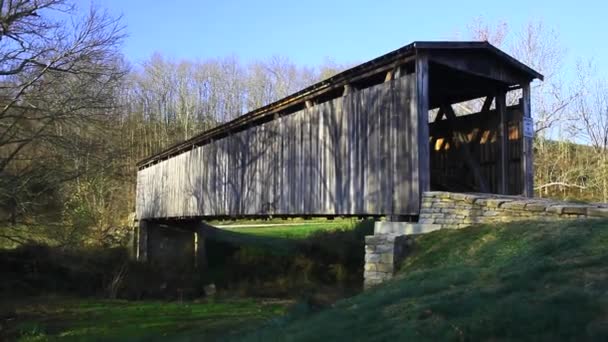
(309, 32)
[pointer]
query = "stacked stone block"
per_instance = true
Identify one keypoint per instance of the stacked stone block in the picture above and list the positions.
(391, 242)
(383, 254)
(458, 210)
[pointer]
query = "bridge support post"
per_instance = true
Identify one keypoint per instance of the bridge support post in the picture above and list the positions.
(171, 244)
(383, 254)
(141, 237)
(386, 249)
(200, 250)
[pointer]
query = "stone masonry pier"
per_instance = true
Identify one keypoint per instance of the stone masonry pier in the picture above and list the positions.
(458, 210)
(392, 241)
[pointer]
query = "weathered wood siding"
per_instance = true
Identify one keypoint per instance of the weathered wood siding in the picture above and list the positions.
(354, 155)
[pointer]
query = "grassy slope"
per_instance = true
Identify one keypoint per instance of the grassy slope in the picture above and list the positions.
(279, 239)
(65, 319)
(275, 221)
(535, 281)
(295, 232)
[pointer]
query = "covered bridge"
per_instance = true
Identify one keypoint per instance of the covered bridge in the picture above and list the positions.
(365, 142)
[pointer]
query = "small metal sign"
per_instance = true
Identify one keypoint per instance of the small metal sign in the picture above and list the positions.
(528, 127)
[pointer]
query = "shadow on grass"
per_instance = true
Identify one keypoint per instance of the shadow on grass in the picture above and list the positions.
(325, 261)
(277, 245)
(316, 270)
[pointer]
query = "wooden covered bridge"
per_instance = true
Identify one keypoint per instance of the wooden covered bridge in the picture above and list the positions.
(366, 142)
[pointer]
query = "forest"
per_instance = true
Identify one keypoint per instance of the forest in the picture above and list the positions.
(76, 115)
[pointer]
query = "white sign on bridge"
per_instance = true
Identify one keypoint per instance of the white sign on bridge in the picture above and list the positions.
(528, 125)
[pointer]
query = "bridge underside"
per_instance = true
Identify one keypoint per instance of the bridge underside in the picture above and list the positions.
(171, 244)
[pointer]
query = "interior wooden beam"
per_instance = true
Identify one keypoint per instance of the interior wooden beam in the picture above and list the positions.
(389, 76)
(487, 104)
(348, 88)
(440, 115)
(397, 72)
(460, 140)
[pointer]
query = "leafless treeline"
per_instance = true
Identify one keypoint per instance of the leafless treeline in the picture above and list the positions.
(169, 101)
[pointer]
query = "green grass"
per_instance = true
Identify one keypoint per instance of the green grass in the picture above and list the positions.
(302, 231)
(522, 281)
(70, 319)
(276, 221)
(279, 239)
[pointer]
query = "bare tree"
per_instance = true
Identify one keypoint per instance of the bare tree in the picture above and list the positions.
(541, 49)
(174, 100)
(58, 77)
(589, 124)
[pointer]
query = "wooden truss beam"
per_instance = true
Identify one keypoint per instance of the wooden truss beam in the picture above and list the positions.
(460, 141)
(487, 104)
(440, 114)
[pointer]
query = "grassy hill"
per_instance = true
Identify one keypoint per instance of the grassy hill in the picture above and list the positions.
(532, 281)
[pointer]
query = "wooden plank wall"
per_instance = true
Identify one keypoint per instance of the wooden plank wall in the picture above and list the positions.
(353, 155)
(449, 171)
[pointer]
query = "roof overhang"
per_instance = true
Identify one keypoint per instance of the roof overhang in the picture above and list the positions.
(482, 55)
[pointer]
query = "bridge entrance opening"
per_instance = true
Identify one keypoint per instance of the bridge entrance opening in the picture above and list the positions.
(475, 133)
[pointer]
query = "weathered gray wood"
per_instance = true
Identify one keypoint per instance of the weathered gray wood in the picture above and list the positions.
(385, 156)
(527, 155)
(354, 155)
(142, 241)
(503, 128)
(348, 89)
(422, 124)
(406, 156)
(373, 161)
